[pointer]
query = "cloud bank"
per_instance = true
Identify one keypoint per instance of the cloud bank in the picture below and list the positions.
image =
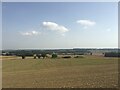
(30, 33)
(86, 23)
(54, 27)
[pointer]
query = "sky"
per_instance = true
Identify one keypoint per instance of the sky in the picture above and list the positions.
(50, 25)
(60, 0)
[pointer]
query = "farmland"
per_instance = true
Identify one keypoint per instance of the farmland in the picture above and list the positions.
(87, 72)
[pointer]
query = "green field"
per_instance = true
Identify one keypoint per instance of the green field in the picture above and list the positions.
(87, 72)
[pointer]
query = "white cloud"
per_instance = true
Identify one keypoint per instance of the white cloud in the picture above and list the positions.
(86, 23)
(54, 27)
(30, 33)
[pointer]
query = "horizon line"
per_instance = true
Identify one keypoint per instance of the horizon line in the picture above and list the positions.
(64, 48)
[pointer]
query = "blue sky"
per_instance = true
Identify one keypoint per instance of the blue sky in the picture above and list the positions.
(59, 25)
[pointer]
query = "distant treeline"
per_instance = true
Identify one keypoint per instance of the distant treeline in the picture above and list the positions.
(74, 51)
(112, 54)
(58, 51)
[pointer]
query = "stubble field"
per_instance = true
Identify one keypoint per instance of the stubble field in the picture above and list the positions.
(87, 72)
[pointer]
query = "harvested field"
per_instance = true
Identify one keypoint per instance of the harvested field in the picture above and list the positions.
(87, 72)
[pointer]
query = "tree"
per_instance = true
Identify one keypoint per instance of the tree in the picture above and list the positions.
(34, 56)
(39, 55)
(90, 53)
(23, 56)
(54, 55)
(43, 55)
